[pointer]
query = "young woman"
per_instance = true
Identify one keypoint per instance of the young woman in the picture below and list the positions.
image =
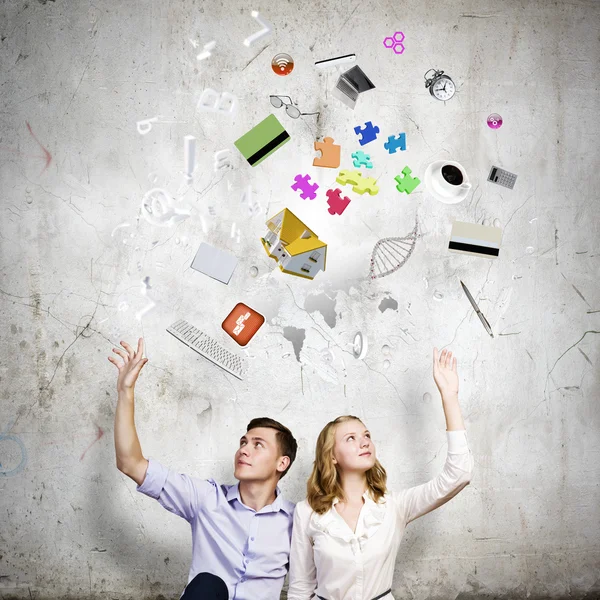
(348, 530)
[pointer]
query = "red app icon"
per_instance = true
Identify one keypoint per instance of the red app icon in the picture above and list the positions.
(242, 323)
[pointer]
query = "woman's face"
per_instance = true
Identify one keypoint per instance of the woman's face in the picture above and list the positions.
(354, 449)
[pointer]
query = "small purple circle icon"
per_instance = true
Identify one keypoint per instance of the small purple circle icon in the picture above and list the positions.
(395, 42)
(494, 121)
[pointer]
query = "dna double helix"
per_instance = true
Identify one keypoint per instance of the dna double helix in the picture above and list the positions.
(389, 254)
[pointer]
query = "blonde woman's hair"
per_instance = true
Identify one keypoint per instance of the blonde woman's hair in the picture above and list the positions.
(324, 483)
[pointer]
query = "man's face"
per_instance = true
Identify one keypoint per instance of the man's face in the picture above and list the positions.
(354, 450)
(259, 458)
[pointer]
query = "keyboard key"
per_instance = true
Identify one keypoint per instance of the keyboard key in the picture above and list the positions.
(208, 347)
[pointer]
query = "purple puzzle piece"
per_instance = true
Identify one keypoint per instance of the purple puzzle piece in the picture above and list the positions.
(308, 190)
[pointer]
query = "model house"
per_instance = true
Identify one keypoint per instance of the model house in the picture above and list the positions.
(297, 249)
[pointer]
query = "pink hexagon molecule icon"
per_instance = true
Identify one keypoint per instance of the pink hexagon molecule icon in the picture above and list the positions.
(388, 42)
(398, 36)
(399, 48)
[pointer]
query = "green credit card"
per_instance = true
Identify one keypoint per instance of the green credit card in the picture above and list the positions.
(262, 140)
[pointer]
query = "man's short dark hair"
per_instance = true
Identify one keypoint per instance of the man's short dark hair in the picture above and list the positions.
(287, 443)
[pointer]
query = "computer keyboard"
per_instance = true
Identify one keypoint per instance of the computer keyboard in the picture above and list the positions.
(208, 348)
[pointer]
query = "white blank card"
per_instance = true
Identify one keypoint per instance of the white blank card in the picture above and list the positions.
(214, 262)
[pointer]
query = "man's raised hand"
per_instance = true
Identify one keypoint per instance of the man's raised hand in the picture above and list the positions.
(131, 366)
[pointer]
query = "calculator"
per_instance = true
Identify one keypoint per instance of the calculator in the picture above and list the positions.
(502, 177)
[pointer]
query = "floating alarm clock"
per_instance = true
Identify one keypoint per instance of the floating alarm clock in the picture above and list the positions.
(440, 85)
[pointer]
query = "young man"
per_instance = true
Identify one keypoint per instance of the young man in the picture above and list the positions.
(240, 533)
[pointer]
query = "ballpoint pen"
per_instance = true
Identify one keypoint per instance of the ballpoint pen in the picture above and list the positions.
(479, 314)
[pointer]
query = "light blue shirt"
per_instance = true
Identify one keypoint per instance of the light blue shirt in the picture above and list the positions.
(248, 550)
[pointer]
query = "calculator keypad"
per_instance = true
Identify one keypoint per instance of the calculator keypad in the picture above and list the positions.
(502, 177)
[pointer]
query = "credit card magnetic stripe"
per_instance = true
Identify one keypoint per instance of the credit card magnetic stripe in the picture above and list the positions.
(472, 238)
(473, 249)
(262, 140)
(268, 148)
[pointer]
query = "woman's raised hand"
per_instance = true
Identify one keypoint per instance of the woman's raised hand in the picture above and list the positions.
(444, 373)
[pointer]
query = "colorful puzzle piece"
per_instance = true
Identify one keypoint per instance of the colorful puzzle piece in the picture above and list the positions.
(407, 183)
(368, 133)
(360, 184)
(366, 184)
(337, 204)
(345, 177)
(308, 190)
(330, 154)
(362, 160)
(396, 142)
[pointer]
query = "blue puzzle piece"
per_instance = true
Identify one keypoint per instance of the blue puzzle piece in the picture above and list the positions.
(368, 133)
(394, 143)
(362, 160)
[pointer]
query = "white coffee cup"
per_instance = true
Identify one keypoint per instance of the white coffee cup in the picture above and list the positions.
(450, 179)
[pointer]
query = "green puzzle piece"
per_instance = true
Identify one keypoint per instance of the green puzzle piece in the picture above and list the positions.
(360, 184)
(407, 183)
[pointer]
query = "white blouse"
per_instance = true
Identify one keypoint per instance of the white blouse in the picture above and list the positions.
(328, 559)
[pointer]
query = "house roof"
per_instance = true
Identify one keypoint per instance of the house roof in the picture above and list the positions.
(300, 246)
(291, 232)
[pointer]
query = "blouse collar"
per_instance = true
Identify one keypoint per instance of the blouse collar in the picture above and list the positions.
(372, 516)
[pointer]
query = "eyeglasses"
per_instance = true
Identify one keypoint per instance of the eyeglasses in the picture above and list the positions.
(290, 109)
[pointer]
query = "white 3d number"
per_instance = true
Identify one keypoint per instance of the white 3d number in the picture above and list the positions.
(157, 208)
(212, 101)
(259, 34)
(207, 48)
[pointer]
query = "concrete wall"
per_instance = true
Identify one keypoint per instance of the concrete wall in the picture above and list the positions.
(75, 78)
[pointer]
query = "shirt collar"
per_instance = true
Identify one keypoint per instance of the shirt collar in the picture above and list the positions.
(233, 493)
(366, 496)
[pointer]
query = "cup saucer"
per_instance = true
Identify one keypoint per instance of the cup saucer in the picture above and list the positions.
(444, 198)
